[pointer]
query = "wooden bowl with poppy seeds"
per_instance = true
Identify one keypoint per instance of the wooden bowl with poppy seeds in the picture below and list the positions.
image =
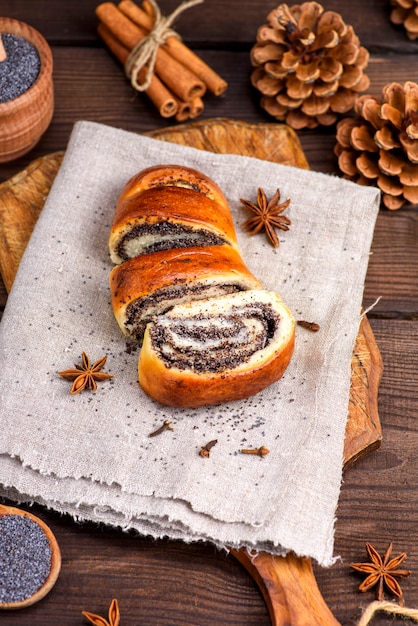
(30, 558)
(26, 88)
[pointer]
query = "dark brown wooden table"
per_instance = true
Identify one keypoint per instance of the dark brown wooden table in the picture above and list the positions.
(168, 583)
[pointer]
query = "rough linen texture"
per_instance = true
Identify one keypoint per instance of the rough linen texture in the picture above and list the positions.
(91, 455)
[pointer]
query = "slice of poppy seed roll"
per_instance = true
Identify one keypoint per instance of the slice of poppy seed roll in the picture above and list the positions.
(216, 350)
(169, 206)
(150, 284)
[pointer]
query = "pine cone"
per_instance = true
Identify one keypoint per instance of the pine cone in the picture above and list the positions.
(309, 65)
(380, 146)
(405, 13)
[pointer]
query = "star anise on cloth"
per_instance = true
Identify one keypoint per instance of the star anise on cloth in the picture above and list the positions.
(114, 616)
(86, 374)
(382, 571)
(267, 215)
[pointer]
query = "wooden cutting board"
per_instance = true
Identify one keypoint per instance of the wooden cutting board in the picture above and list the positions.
(287, 583)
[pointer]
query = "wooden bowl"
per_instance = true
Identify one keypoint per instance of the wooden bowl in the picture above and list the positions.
(55, 560)
(24, 119)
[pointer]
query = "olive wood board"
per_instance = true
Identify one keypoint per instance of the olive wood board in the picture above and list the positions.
(287, 583)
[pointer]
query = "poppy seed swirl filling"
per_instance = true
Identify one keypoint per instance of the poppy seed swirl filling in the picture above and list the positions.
(145, 238)
(139, 312)
(215, 343)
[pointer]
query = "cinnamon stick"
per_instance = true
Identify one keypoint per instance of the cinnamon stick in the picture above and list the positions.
(183, 111)
(180, 80)
(176, 48)
(196, 107)
(147, 8)
(157, 92)
(189, 110)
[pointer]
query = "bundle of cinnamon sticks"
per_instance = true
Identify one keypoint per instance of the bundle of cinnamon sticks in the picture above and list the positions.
(179, 78)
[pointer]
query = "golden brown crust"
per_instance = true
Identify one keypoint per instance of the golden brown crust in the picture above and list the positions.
(144, 276)
(175, 241)
(187, 388)
(174, 205)
(172, 175)
(175, 195)
(190, 390)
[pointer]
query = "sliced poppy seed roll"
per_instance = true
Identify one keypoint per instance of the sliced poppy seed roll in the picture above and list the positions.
(217, 350)
(169, 206)
(150, 284)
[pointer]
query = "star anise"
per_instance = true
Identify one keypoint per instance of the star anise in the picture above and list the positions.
(86, 375)
(267, 215)
(114, 616)
(381, 571)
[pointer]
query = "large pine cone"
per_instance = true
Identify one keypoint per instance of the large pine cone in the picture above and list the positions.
(405, 13)
(309, 65)
(380, 146)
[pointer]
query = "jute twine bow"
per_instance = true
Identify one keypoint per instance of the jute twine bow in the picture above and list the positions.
(145, 51)
(387, 607)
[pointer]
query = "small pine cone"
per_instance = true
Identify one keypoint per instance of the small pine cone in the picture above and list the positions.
(405, 13)
(380, 146)
(308, 65)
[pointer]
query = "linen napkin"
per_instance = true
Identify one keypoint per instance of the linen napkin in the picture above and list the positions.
(90, 455)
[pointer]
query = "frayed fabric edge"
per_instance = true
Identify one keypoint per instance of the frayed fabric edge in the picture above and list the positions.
(155, 529)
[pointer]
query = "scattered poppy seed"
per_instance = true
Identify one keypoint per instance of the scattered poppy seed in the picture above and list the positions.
(25, 558)
(20, 69)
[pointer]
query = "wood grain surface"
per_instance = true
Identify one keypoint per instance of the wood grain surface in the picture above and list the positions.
(167, 583)
(21, 201)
